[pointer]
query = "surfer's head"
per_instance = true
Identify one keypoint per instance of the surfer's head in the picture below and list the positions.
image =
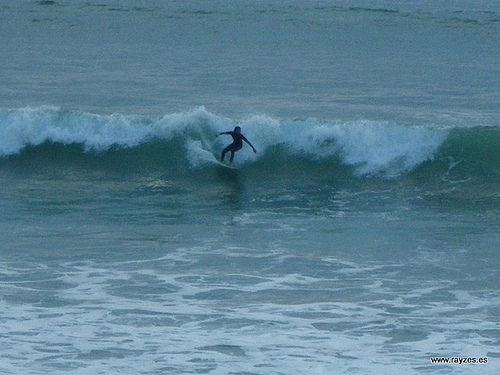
(237, 129)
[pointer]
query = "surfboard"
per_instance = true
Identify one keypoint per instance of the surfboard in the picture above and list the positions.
(206, 156)
(225, 165)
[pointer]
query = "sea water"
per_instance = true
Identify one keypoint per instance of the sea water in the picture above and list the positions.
(361, 238)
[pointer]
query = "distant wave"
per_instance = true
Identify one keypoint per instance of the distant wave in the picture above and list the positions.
(375, 10)
(446, 18)
(365, 148)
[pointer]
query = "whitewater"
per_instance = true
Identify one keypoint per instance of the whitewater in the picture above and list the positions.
(371, 147)
(361, 238)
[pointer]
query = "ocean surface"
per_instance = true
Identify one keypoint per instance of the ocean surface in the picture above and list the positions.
(361, 238)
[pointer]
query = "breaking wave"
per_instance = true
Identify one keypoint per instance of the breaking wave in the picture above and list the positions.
(364, 148)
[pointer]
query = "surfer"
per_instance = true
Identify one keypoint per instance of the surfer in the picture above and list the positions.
(236, 145)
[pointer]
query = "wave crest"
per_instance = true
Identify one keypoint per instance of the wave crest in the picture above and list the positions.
(366, 147)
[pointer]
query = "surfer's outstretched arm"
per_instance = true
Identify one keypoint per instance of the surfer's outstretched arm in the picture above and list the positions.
(247, 141)
(228, 133)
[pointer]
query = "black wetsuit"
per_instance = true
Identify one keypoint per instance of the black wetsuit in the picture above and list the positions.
(237, 144)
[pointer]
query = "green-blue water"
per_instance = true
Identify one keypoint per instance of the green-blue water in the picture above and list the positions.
(361, 238)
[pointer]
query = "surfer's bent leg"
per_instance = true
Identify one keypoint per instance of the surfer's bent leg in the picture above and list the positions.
(224, 151)
(233, 150)
(232, 147)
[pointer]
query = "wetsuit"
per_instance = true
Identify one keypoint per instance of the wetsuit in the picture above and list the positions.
(237, 144)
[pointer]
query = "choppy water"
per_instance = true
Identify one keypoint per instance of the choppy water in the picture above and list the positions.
(362, 238)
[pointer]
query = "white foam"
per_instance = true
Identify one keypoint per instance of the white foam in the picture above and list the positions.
(111, 327)
(369, 147)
